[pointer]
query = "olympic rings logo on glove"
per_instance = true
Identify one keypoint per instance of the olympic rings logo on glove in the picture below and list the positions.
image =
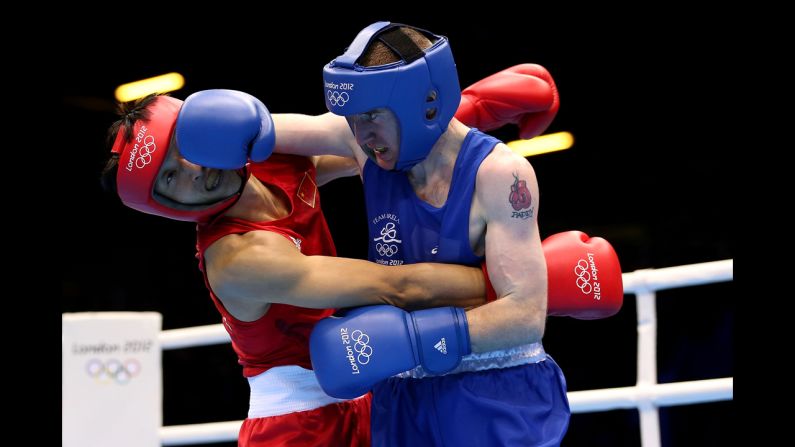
(145, 156)
(387, 250)
(583, 276)
(113, 369)
(361, 347)
(338, 99)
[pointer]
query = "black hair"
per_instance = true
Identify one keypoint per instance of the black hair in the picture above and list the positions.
(129, 113)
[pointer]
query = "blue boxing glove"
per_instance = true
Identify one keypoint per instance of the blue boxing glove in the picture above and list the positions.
(222, 129)
(368, 344)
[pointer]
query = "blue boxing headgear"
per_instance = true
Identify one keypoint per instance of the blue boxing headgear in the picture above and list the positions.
(421, 89)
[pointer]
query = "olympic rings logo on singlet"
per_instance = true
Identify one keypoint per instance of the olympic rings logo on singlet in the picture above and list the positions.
(113, 370)
(362, 348)
(338, 99)
(388, 236)
(583, 280)
(387, 250)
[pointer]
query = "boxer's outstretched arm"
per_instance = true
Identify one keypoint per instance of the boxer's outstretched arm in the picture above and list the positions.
(325, 134)
(507, 201)
(318, 135)
(250, 271)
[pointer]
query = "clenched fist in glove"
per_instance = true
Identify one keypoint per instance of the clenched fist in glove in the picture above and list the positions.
(524, 95)
(223, 129)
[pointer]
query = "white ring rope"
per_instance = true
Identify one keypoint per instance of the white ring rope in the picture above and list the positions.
(662, 395)
(646, 395)
(200, 433)
(189, 337)
(680, 276)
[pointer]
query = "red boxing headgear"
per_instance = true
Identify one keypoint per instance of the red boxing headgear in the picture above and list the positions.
(140, 160)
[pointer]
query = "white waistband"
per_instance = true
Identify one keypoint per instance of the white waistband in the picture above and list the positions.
(519, 355)
(285, 389)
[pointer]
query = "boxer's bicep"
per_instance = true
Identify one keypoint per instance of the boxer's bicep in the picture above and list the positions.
(239, 268)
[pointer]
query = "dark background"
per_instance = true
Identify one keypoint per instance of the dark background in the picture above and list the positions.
(647, 172)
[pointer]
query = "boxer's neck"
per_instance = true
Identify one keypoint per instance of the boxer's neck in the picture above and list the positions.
(431, 178)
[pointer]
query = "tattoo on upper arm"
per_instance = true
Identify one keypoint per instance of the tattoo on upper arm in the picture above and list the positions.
(520, 199)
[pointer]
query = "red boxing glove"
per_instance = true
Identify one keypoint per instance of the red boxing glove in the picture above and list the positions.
(524, 95)
(583, 277)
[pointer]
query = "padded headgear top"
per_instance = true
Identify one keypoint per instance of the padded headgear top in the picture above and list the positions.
(140, 160)
(422, 88)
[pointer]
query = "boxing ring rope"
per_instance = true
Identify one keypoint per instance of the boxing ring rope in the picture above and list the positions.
(647, 395)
